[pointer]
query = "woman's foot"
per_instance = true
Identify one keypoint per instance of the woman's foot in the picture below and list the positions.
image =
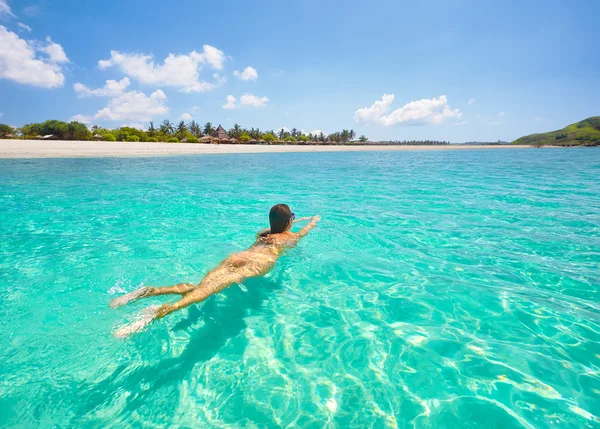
(131, 296)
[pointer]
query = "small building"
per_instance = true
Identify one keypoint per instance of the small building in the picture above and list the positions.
(220, 133)
(50, 137)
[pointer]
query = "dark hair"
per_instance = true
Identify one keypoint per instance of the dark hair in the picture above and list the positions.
(279, 218)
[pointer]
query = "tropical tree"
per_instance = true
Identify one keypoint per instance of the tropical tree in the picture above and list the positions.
(236, 131)
(6, 130)
(151, 130)
(167, 127)
(195, 129)
(181, 130)
(208, 129)
(363, 139)
(352, 134)
(269, 137)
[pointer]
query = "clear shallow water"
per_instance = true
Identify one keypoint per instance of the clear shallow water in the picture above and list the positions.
(441, 289)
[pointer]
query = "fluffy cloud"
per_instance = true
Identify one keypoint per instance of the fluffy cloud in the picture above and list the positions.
(134, 106)
(181, 71)
(24, 27)
(426, 111)
(5, 9)
(139, 126)
(245, 100)
(471, 101)
(186, 117)
(19, 61)
(230, 102)
(81, 118)
(55, 52)
(253, 100)
(112, 88)
(249, 73)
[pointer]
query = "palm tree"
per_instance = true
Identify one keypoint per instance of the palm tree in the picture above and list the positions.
(208, 129)
(294, 132)
(181, 129)
(352, 134)
(236, 131)
(195, 129)
(151, 130)
(167, 127)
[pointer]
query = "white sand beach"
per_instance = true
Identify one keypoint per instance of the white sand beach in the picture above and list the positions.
(92, 149)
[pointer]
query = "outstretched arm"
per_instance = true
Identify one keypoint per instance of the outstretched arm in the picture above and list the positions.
(307, 228)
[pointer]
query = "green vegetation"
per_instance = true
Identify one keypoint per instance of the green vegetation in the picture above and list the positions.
(7, 132)
(583, 133)
(169, 132)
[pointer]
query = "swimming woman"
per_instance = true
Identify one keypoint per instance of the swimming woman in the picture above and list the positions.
(254, 262)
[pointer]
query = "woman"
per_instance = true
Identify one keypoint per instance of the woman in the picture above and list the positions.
(254, 262)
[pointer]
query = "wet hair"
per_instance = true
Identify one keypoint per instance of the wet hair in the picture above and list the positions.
(279, 218)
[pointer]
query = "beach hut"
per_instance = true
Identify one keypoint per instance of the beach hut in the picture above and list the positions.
(50, 137)
(97, 137)
(221, 134)
(205, 139)
(38, 137)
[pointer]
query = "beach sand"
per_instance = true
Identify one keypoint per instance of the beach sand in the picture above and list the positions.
(92, 149)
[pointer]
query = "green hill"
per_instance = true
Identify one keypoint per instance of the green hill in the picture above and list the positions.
(584, 133)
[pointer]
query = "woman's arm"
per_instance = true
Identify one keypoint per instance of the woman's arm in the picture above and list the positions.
(307, 228)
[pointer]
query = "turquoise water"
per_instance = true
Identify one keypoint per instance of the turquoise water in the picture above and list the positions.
(441, 289)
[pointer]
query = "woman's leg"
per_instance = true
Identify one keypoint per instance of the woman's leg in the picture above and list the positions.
(146, 291)
(213, 283)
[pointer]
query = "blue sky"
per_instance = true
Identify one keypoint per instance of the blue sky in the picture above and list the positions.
(458, 71)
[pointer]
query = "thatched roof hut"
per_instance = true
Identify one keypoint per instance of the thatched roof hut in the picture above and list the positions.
(97, 137)
(253, 141)
(220, 133)
(205, 139)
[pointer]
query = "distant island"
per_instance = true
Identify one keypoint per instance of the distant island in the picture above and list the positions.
(583, 133)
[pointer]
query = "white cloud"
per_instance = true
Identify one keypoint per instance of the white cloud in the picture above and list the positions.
(471, 101)
(24, 27)
(5, 9)
(1, 114)
(249, 73)
(230, 102)
(19, 61)
(134, 106)
(461, 123)
(317, 132)
(501, 114)
(81, 118)
(181, 71)
(137, 125)
(186, 117)
(245, 100)
(426, 111)
(253, 100)
(55, 52)
(539, 118)
(112, 88)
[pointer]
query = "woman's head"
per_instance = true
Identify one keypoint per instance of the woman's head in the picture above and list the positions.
(280, 218)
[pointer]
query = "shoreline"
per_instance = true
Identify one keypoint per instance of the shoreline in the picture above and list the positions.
(12, 149)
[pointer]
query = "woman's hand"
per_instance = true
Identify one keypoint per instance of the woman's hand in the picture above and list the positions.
(315, 219)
